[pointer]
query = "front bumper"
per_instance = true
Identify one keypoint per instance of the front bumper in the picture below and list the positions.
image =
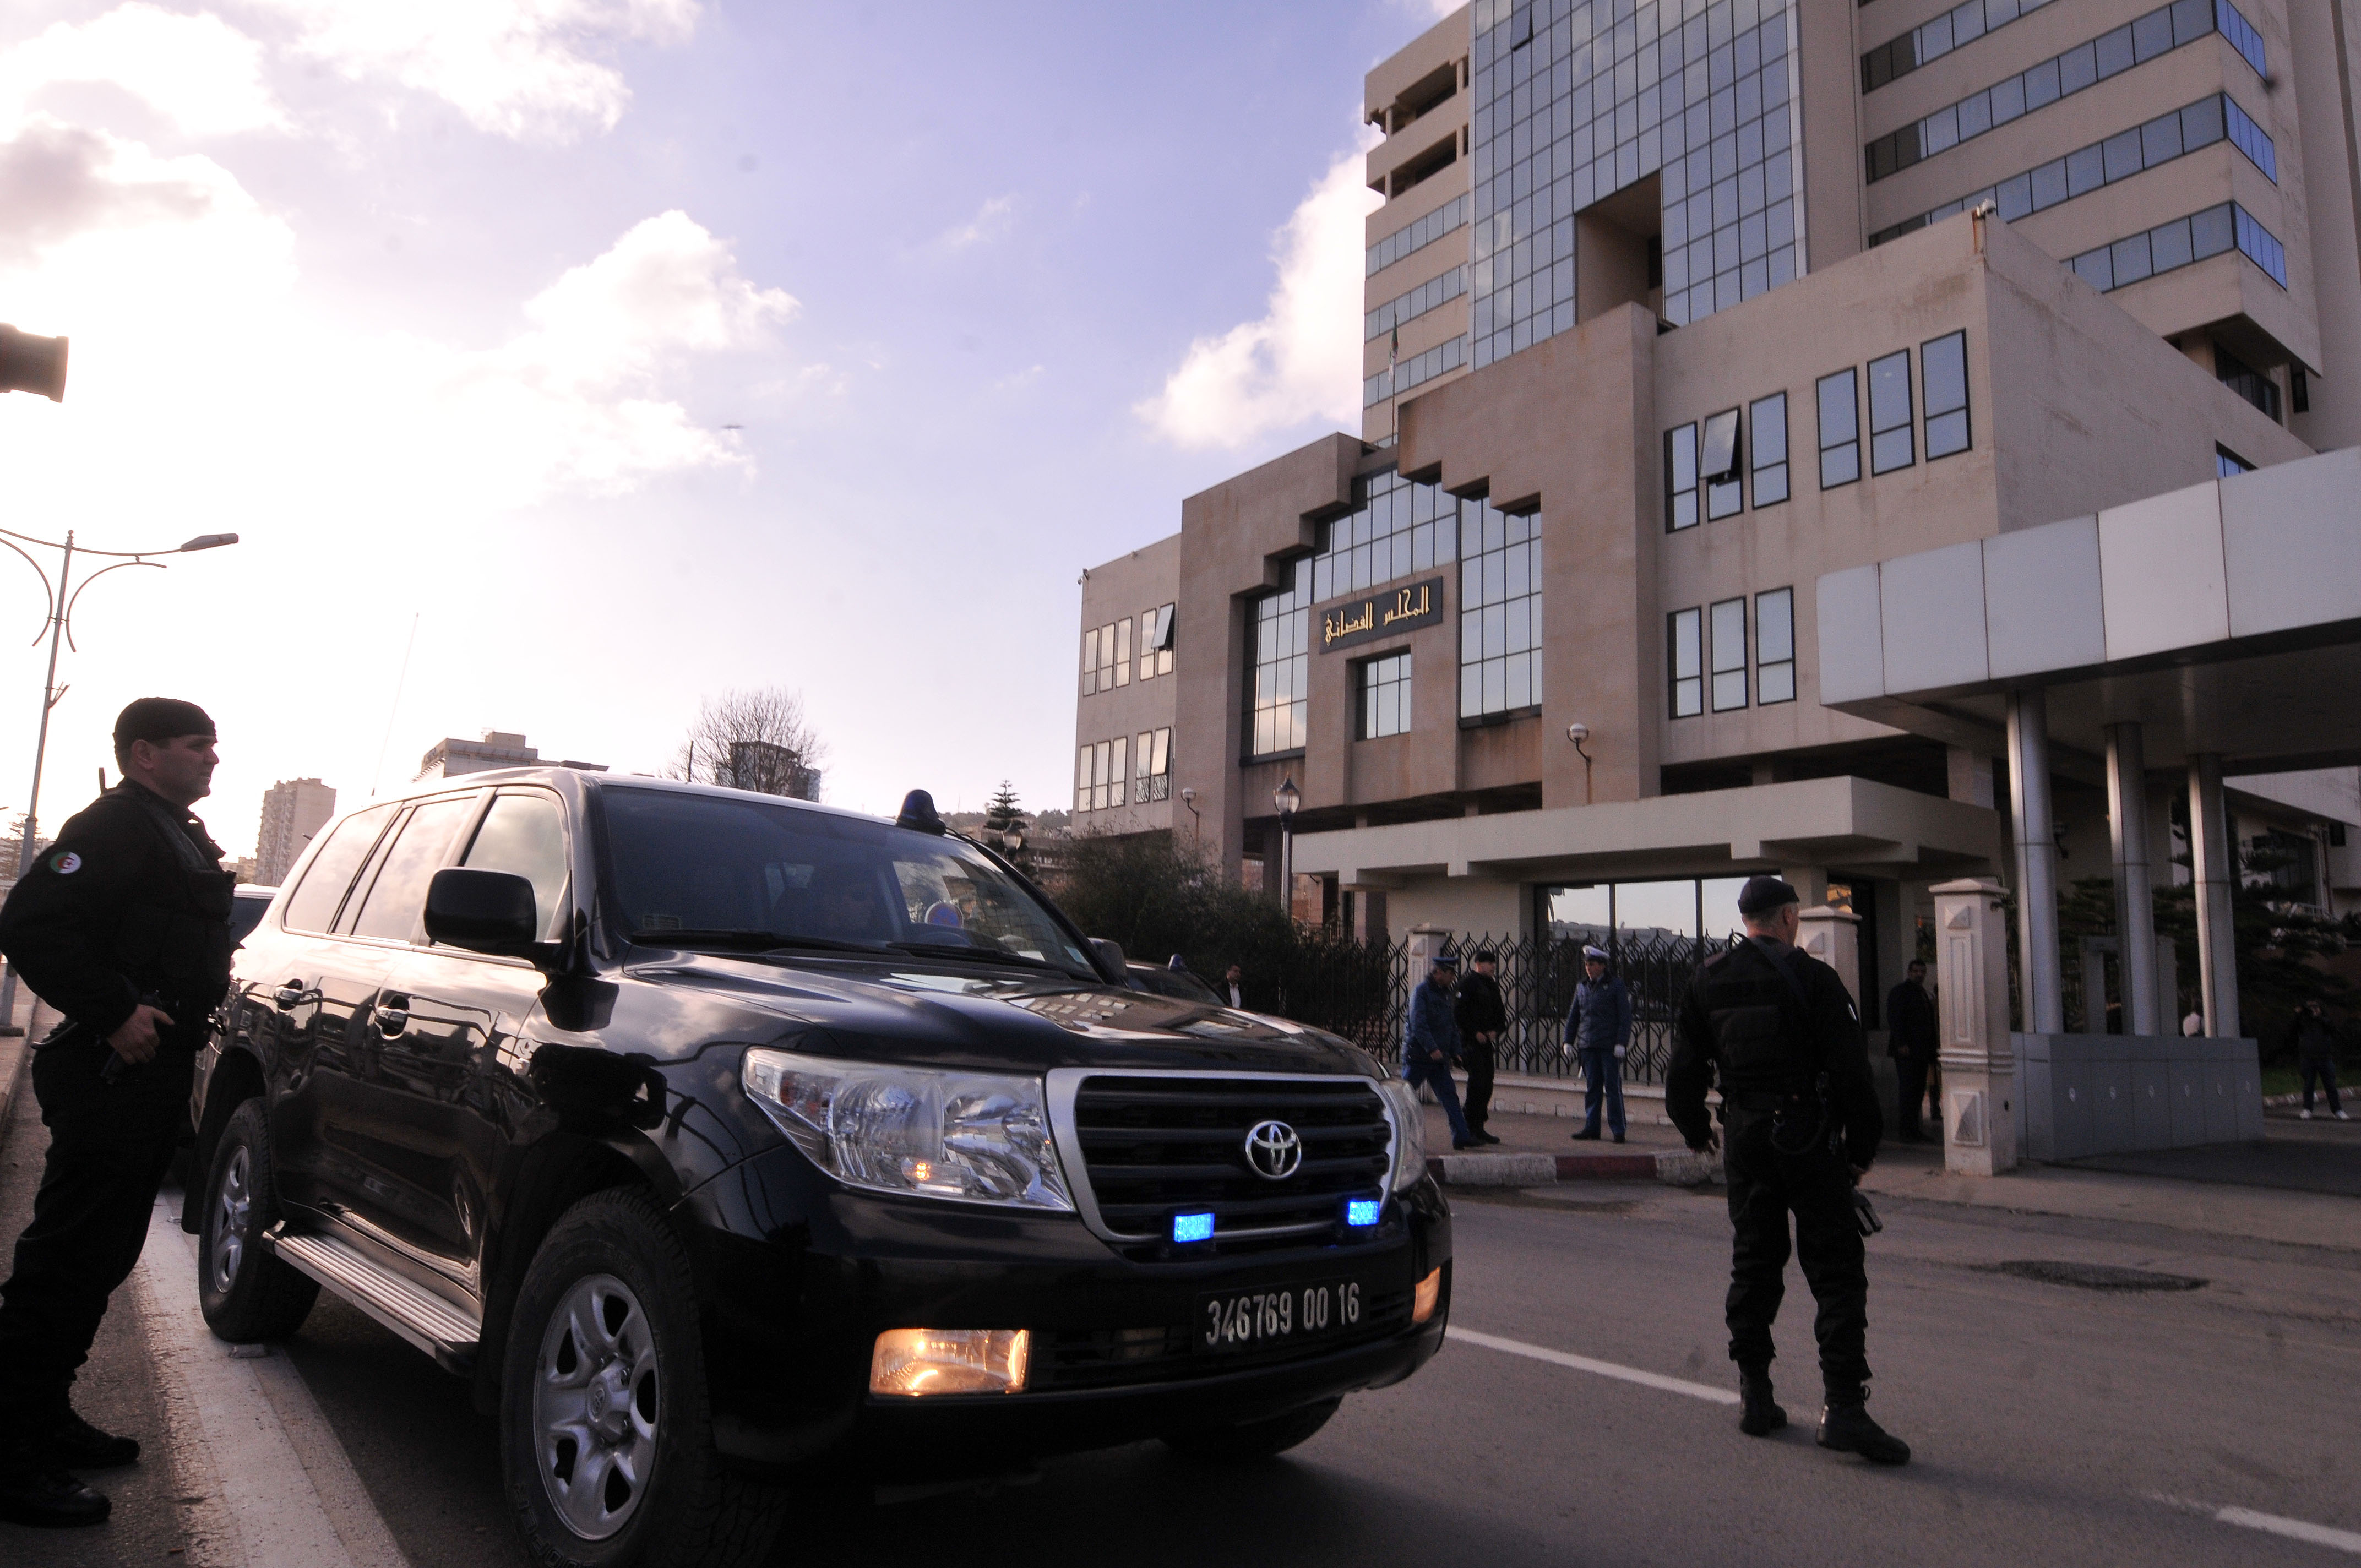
(799, 1276)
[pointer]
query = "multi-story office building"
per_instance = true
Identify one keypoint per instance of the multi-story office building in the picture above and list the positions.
(1711, 344)
(452, 756)
(292, 810)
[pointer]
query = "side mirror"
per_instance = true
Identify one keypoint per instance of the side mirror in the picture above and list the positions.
(1111, 959)
(485, 912)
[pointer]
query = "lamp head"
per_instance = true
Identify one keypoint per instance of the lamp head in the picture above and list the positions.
(1189, 796)
(29, 364)
(1577, 733)
(209, 542)
(1287, 797)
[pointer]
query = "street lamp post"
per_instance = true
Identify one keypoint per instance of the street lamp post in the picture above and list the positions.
(1289, 799)
(58, 626)
(1578, 733)
(1197, 822)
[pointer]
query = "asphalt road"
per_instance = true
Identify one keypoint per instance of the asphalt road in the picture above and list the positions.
(2050, 1421)
(2048, 1418)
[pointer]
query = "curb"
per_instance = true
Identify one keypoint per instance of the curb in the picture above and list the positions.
(1675, 1168)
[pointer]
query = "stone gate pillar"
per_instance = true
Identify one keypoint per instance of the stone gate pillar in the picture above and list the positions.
(1833, 936)
(1979, 1087)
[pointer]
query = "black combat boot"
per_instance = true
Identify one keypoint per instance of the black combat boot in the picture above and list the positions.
(35, 1491)
(76, 1444)
(1847, 1429)
(1758, 1414)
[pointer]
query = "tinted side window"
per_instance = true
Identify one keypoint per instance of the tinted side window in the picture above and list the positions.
(524, 833)
(314, 904)
(399, 894)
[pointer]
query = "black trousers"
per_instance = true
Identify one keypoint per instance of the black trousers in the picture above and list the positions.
(1765, 1186)
(1477, 1058)
(110, 1144)
(1910, 1071)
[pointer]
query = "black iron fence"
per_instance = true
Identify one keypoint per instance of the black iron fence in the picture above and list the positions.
(1361, 991)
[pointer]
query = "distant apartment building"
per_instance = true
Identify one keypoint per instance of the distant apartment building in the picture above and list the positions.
(767, 769)
(451, 757)
(1875, 441)
(292, 811)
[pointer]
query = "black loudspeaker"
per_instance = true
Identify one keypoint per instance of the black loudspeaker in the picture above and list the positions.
(29, 364)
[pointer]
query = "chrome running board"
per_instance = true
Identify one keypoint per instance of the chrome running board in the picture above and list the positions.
(441, 1328)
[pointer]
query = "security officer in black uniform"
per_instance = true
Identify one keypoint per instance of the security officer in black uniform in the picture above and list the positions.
(1800, 1111)
(123, 927)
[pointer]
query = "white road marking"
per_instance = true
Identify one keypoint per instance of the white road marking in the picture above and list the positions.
(288, 1497)
(2272, 1524)
(1602, 1368)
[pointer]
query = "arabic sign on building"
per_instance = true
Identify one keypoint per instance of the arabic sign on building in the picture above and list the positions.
(1381, 615)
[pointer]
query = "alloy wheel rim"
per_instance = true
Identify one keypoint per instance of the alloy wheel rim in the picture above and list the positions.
(233, 1216)
(597, 1406)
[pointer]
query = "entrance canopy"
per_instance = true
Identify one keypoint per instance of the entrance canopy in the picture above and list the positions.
(2225, 619)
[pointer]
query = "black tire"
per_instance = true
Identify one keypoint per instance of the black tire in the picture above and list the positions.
(247, 1292)
(1252, 1440)
(607, 1301)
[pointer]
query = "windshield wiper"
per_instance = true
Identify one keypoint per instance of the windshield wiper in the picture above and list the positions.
(748, 941)
(985, 955)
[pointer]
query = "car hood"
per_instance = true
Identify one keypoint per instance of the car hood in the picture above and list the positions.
(944, 1014)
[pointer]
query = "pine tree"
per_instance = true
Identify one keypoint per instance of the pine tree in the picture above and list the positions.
(1001, 813)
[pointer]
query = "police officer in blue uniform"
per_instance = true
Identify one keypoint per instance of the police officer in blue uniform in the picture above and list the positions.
(123, 927)
(1779, 1031)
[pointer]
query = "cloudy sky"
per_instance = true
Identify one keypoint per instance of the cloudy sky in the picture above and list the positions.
(634, 350)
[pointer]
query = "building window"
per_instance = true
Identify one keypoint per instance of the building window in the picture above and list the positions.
(2178, 244)
(1685, 661)
(1890, 443)
(2228, 464)
(1089, 661)
(1155, 642)
(1153, 749)
(1680, 477)
(1123, 651)
(1415, 371)
(1283, 673)
(1500, 614)
(1768, 417)
(1409, 307)
(1840, 430)
(1943, 377)
(1774, 646)
(1385, 696)
(1082, 778)
(1098, 774)
(1728, 655)
(1718, 465)
(2246, 381)
(1117, 766)
(1395, 528)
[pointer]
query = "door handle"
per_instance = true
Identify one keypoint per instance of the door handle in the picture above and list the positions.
(289, 996)
(391, 1016)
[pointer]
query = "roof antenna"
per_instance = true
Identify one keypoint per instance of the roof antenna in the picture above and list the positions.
(399, 682)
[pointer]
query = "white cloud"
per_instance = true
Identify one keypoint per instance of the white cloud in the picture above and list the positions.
(516, 68)
(1302, 360)
(198, 71)
(991, 221)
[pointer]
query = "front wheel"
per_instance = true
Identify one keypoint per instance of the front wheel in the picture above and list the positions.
(606, 1434)
(246, 1292)
(1250, 1441)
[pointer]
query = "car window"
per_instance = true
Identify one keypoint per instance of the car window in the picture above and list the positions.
(313, 906)
(399, 892)
(524, 833)
(690, 862)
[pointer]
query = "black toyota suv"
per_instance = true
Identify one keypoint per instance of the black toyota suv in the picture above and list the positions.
(725, 1141)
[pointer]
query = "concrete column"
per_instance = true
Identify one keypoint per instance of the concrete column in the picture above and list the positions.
(1971, 776)
(1810, 883)
(1972, 1020)
(2135, 894)
(1833, 936)
(2036, 862)
(2209, 854)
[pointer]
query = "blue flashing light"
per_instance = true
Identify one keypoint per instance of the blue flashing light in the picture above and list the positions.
(1362, 1211)
(1192, 1227)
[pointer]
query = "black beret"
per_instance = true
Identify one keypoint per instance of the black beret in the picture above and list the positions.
(1763, 894)
(155, 720)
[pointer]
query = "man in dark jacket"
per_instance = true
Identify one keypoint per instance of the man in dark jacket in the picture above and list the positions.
(1779, 1030)
(1911, 1042)
(1599, 1027)
(2314, 1045)
(122, 928)
(1481, 1016)
(1430, 1043)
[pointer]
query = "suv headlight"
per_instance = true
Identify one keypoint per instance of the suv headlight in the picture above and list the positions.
(977, 1137)
(1409, 1121)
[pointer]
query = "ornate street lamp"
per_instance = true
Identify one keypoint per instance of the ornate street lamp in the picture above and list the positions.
(1289, 799)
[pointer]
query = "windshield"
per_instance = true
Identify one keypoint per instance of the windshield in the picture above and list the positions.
(715, 865)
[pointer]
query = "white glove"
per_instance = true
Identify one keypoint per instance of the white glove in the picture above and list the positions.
(1567, 1049)
(1619, 1053)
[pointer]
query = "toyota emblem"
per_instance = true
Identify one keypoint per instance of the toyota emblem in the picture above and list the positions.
(1274, 1150)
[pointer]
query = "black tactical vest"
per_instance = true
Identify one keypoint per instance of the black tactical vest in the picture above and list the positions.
(1756, 1011)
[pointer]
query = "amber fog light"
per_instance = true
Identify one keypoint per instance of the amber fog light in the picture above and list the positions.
(1423, 1301)
(951, 1361)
